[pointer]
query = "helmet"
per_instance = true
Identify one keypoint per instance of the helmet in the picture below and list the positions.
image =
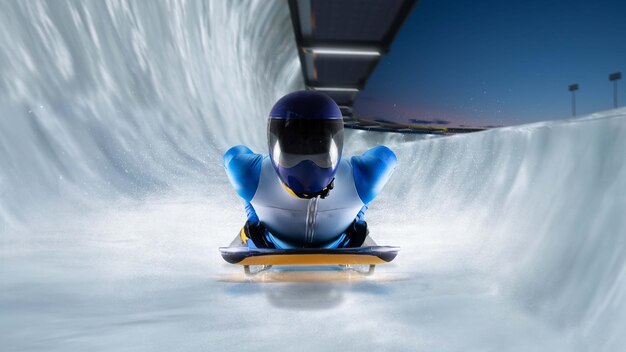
(305, 139)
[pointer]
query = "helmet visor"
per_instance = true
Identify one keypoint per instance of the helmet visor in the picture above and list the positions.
(292, 141)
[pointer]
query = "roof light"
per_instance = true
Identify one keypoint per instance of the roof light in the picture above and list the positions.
(344, 51)
(335, 89)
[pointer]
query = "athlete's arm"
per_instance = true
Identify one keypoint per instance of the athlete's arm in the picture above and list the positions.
(372, 170)
(243, 168)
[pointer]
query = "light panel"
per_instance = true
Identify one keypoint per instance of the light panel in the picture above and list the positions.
(335, 89)
(343, 51)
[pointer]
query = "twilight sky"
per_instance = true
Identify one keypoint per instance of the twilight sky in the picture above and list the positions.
(492, 63)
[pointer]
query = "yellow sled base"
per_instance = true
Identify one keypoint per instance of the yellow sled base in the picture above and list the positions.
(265, 258)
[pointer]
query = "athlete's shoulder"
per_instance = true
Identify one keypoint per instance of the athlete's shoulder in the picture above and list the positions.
(372, 170)
(243, 167)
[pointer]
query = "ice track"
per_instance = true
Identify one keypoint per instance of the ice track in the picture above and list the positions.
(113, 201)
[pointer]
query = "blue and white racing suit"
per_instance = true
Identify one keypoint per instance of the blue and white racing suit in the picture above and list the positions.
(357, 182)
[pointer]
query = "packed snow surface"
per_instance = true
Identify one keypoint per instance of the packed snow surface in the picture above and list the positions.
(113, 202)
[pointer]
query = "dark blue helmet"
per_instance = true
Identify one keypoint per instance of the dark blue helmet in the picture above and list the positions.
(305, 138)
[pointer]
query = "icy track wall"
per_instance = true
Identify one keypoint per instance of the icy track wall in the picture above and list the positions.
(541, 208)
(105, 98)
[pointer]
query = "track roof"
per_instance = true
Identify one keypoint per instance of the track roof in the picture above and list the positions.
(340, 43)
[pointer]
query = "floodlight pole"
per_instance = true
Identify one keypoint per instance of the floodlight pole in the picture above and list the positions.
(614, 77)
(573, 88)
